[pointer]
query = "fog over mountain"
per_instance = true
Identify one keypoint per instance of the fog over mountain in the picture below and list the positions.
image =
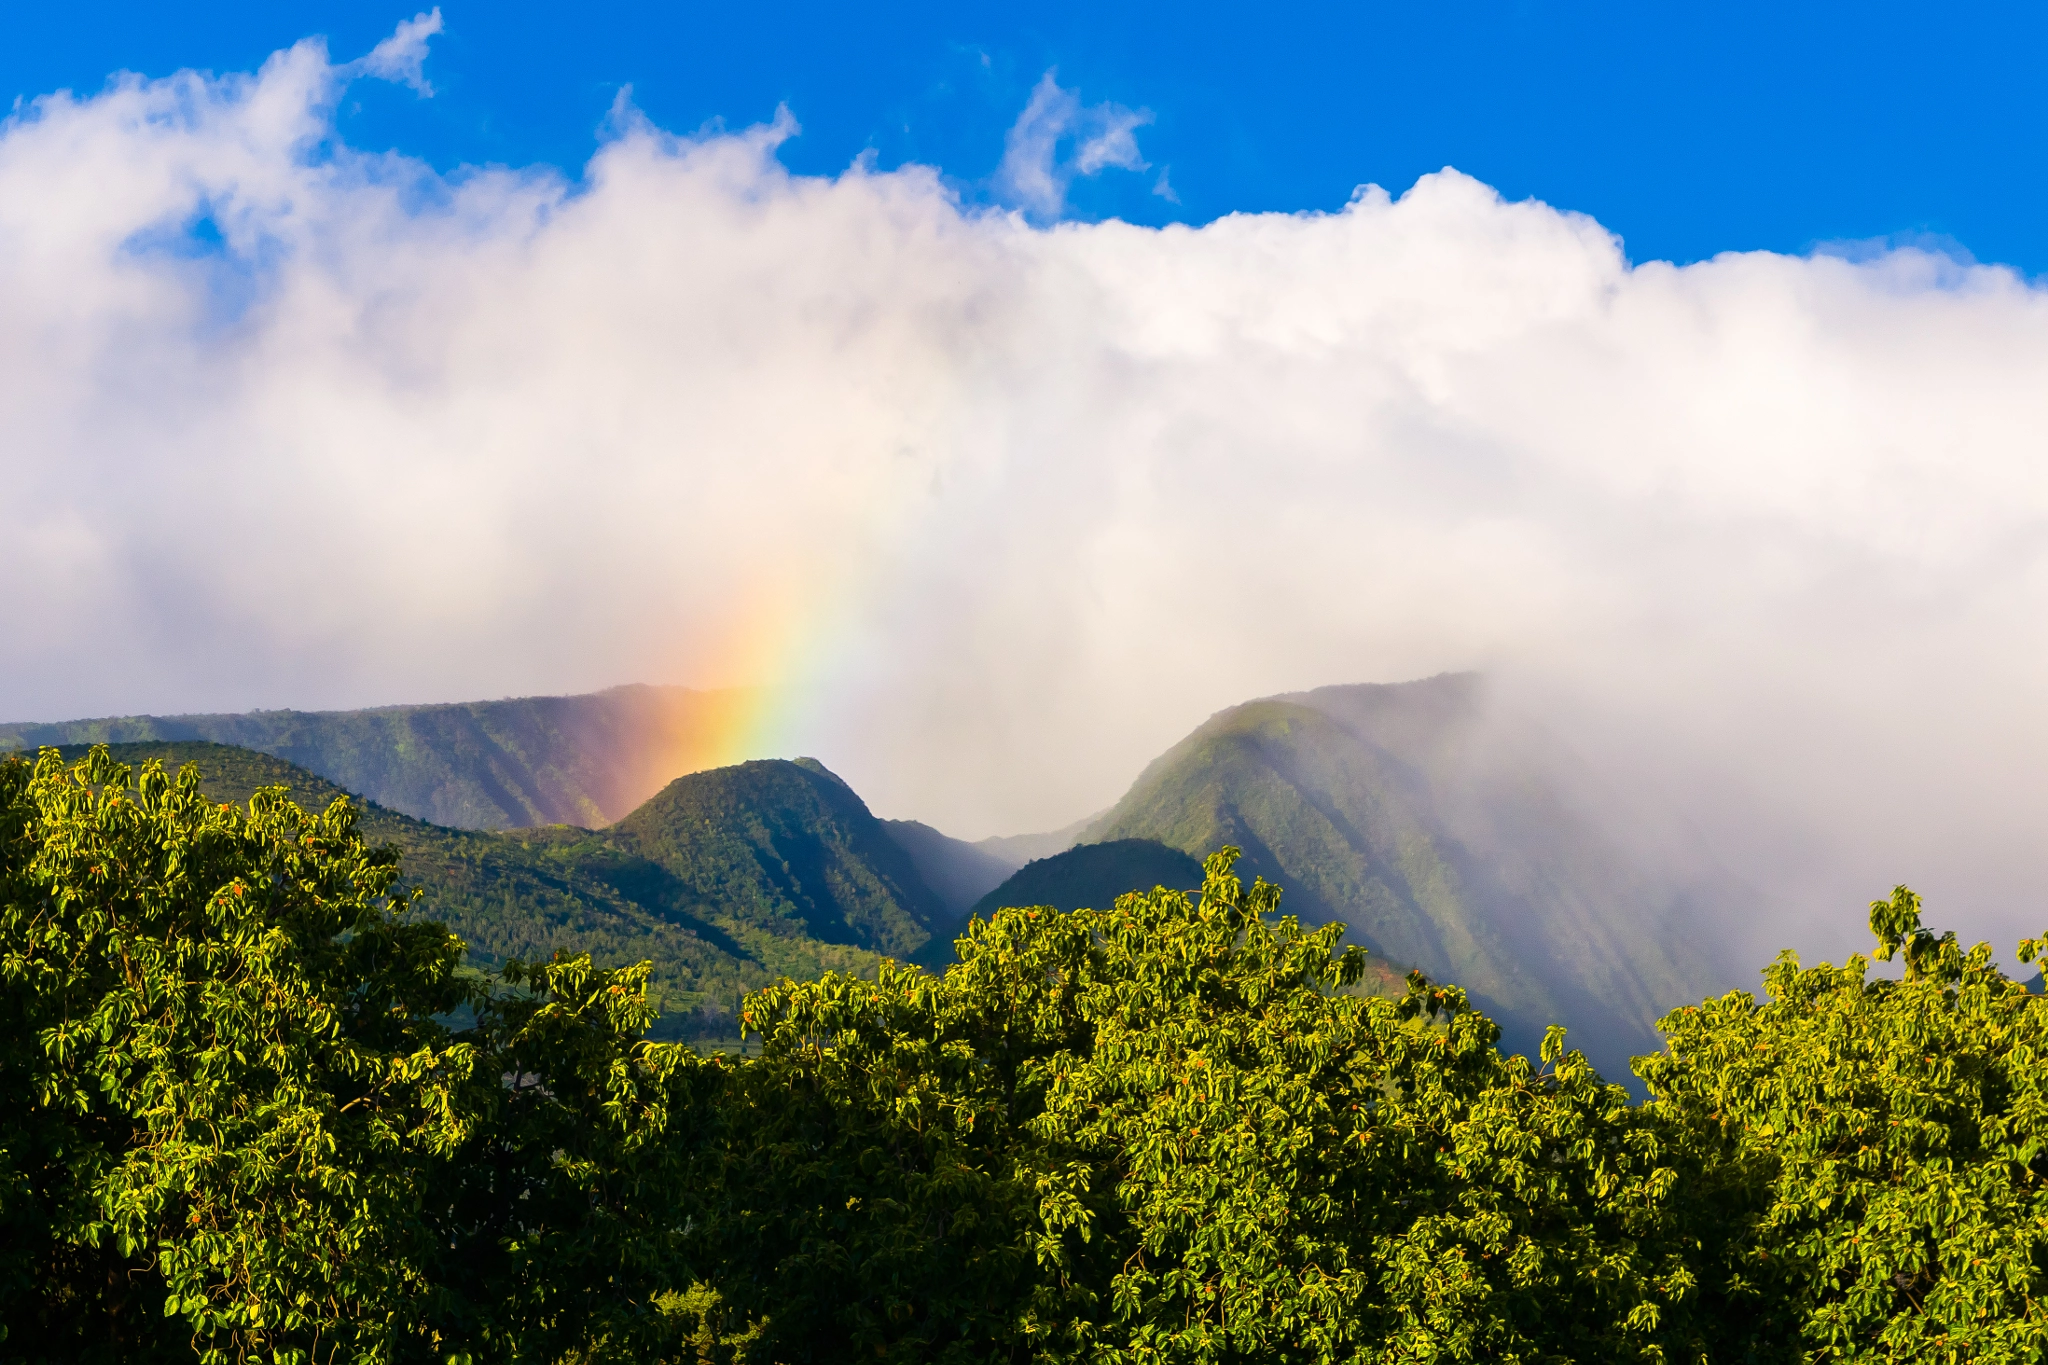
(1004, 510)
(1452, 837)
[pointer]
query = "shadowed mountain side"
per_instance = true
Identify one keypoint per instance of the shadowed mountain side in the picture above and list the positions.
(532, 893)
(585, 760)
(792, 842)
(1092, 876)
(1444, 838)
(959, 872)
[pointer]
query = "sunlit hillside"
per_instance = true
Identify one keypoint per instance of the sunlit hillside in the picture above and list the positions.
(584, 760)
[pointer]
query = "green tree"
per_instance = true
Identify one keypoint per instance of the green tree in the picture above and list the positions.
(567, 1219)
(1299, 1173)
(220, 1043)
(1165, 1132)
(241, 1124)
(1884, 1143)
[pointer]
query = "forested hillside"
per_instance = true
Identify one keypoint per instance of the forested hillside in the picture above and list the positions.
(583, 760)
(723, 882)
(1446, 839)
(788, 840)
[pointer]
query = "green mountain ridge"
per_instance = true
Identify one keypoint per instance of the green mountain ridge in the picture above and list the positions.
(792, 840)
(1445, 835)
(1445, 838)
(725, 880)
(586, 760)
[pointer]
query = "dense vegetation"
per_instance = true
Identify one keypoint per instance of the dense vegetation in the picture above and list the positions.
(792, 841)
(724, 882)
(257, 1113)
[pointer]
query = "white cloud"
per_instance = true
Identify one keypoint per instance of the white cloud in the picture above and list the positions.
(1008, 509)
(402, 57)
(1057, 138)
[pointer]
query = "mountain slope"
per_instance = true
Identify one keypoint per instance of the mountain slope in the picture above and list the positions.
(1445, 837)
(624, 896)
(780, 847)
(1093, 875)
(961, 873)
(585, 760)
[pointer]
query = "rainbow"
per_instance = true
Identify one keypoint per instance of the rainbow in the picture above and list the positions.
(757, 696)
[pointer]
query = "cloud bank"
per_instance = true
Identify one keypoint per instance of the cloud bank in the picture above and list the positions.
(1004, 508)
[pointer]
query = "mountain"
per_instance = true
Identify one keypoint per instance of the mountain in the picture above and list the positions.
(1019, 849)
(960, 872)
(1448, 836)
(1094, 875)
(585, 760)
(776, 847)
(724, 880)
(1444, 832)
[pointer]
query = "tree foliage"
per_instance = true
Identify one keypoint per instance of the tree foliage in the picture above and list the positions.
(1891, 1136)
(221, 1046)
(240, 1124)
(259, 1113)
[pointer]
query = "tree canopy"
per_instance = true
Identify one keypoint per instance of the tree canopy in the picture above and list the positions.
(260, 1110)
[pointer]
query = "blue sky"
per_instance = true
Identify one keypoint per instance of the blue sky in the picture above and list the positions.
(1688, 129)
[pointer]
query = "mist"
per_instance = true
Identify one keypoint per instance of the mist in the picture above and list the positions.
(1001, 508)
